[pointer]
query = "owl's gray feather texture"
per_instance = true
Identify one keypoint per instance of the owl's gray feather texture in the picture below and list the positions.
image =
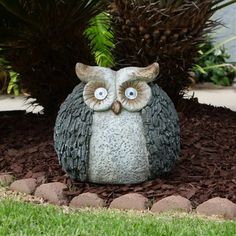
(72, 134)
(162, 132)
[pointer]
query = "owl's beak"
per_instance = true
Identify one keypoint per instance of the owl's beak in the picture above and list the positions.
(116, 107)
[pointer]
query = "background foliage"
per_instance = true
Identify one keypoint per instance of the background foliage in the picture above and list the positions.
(101, 39)
(167, 31)
(9, 80)
(212, 66)
(43, 40)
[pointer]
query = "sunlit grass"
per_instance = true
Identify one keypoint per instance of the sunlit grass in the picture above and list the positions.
(20, 218)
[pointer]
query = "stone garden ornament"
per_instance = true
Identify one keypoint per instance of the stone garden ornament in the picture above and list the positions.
(117, 127)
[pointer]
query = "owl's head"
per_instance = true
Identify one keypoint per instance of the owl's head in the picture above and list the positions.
(107, 89)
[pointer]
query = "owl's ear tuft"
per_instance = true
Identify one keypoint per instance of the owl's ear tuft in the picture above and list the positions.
(147, 74)
(88, 73)
(83, 71)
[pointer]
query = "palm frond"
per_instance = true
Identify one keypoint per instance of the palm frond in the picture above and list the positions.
(100, 36)
(217, 5)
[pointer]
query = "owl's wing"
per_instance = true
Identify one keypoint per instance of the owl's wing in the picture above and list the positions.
(162, 132)
(72, 134)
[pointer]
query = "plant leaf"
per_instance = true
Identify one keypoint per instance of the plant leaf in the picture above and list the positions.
(218, 46)
(200, 69)
(100, 35)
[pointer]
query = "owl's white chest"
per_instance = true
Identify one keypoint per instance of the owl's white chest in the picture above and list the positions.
(118, 152)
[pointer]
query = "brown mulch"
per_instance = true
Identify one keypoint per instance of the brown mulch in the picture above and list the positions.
(206, 169)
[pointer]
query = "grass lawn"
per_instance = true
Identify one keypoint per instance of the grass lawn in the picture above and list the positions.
(20, 218)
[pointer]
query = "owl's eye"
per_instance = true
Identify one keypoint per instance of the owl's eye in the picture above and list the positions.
(134, 95)
(100, 93)
(131, 93)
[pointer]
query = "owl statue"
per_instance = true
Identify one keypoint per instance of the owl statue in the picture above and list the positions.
(117, 127)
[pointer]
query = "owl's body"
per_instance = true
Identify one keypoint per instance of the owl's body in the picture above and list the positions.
(118, 152)
(115, 128)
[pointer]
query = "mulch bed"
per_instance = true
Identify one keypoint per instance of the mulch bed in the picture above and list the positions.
(206, 169)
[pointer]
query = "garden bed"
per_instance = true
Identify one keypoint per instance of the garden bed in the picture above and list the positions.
(206, 169)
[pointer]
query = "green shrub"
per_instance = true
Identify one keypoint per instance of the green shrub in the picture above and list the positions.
(9, 80)
(212, 65)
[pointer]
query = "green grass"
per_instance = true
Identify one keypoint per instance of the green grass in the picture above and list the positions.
(19, 218)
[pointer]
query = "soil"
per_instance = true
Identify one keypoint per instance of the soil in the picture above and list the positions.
(206, 168)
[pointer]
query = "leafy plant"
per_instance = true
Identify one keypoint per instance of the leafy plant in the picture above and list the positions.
(9, 80)
(212, 65)
(101, 39)
(14, 84)
(43, 40)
